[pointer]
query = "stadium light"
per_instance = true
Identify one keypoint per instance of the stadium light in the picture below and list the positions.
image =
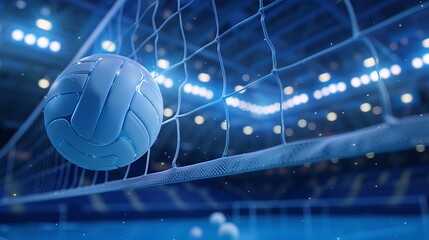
(369, 62)
(248, 130)
(331, 116)
(384, 73)
(204, 77)
(168, 83)
(364, 79)
(365, 107)
(42, 42)
(288, 90)
(17, 35)
(163, 63)
(395, 69)
(108, 45)
(55, 46)
(44, 83)
(199, 120)
(324, 77)
(30, 39)
(44, 24)
(426, 58)
(355, 82)
(341, 87)
(168, 112)
(238, 89)
(425, 43)
(407, 98)
(417, 63)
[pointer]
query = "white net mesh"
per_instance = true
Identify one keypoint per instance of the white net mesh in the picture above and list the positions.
(247, 86)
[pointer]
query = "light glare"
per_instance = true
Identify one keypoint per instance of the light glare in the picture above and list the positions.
(369, 62)
(417, 63)
(162, 63)
(395, 69)
(44, 83)
(55, 46)
(407, 98)
(108, 45)
(204, 77)
(324, 77)
(248, 130)
(30, 39)
(331, 116)
(425, 43)
(42, 42)
(365, 107)
(43, 24)
(17, 35)
(199, 120)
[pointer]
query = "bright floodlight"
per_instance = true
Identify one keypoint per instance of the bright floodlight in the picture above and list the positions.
(355, 82)
(108, 46)
(384, 73)
(395, 69)
(303, 98)
(406, 98)
(204, 77)
(331, 116)
(288, 90)
(223, 125)
(374, 76)
(162, 63)
(302, 123)
(364, 79)
(43, 24)
(248, 130)
(369, 62)
(317, 94)
(168, 112)
(238, 89)
(417, 63)
(365, 107)
(341, 86)
(324, 77)
(333, 88)
(277, 129)
(30, 39)
(168, 83)
(43, 83)
(55, 46)
(17, 35)
(199, 120)
(425, 43)
(42, 42)
(426, 58)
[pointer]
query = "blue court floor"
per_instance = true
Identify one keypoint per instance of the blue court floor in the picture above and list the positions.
(265, 227)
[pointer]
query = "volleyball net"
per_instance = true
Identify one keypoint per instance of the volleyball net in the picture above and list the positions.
(247, 85)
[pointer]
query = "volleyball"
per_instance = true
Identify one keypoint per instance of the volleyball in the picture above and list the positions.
(103, 112)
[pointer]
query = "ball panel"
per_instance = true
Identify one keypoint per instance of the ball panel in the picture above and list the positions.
(137, 133)
(148, 92)
(84, 68)
(60, 106)
(60, 130)
(70, 84)
(85, 118)
(86, 161)
(146, 113)
(117, 104)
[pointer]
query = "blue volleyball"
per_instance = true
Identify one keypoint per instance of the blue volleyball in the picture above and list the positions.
(103, 112)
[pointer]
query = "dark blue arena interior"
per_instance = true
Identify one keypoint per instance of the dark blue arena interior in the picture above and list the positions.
(333, 93)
